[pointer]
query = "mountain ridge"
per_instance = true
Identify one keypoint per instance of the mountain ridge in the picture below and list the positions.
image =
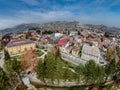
(59, 25)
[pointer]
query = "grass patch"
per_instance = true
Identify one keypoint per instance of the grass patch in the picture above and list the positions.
(109, 87)
(15, 57)
(38, 52)
(40, 47)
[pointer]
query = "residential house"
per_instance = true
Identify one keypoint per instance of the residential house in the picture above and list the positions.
(63, 41)
(72, 33)
(75, 51)
(64, 45)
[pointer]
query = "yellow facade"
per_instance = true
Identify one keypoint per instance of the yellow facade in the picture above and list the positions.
(21, 48)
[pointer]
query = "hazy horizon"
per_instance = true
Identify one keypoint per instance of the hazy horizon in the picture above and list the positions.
(54, 22)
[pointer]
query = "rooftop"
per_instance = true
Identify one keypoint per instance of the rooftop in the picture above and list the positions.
(18, 42)
(63, 41)
(92, 49)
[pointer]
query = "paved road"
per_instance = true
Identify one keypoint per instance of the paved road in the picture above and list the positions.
(1, 59)
(33, 77)
(44, 53)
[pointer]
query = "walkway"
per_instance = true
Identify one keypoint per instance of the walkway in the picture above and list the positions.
(44, 53)
(2, 59)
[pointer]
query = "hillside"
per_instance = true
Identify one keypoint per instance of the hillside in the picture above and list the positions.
(60, 25)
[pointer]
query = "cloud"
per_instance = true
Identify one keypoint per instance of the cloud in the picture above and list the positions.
(29, 16)
(31, 2)
(34, 17)
(10, 22)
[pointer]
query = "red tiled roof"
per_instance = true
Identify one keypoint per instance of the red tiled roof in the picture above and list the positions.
(94, 89)
(74, 42)
(75, 48)
(63, 41)
(105, 38)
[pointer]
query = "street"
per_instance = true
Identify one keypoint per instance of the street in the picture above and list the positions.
(1, 59)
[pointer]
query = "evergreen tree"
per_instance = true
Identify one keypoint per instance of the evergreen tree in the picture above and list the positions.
(41, 71)
(13, 69)
(110, 68)
(79, 72)
(93, 73)
(7, 56)
(4, 81)
(116, 76)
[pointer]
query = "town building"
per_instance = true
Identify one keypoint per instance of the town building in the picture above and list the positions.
(72, 33)
(90, 53)
(58, 35)
(17, 46)
(63, 42)
(76, 51)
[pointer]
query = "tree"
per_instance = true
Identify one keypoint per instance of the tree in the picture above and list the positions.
(53, 69)
(68, 74)
(41, 70)
(106, 34)
(92, 71)
(110, 68)
(59, 70)
(79, 72)
(38, 31)
(5, 40)
(109, 54)
(7, 56)
(4, 81)
(46, 69)
(50, 66)
(28, 35)
(56, 51)
(13, 68)
(116, 76)
(89, 71)
(100, 74)
(118, 51)
(79, 33)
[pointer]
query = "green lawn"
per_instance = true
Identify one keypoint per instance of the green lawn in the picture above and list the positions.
(40, 47)
(15, 57)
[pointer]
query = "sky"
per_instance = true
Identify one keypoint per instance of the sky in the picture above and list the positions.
(15, 12)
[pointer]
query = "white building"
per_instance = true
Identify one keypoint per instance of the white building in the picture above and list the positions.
(90, 53)
(72, 33)
(57, 35)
